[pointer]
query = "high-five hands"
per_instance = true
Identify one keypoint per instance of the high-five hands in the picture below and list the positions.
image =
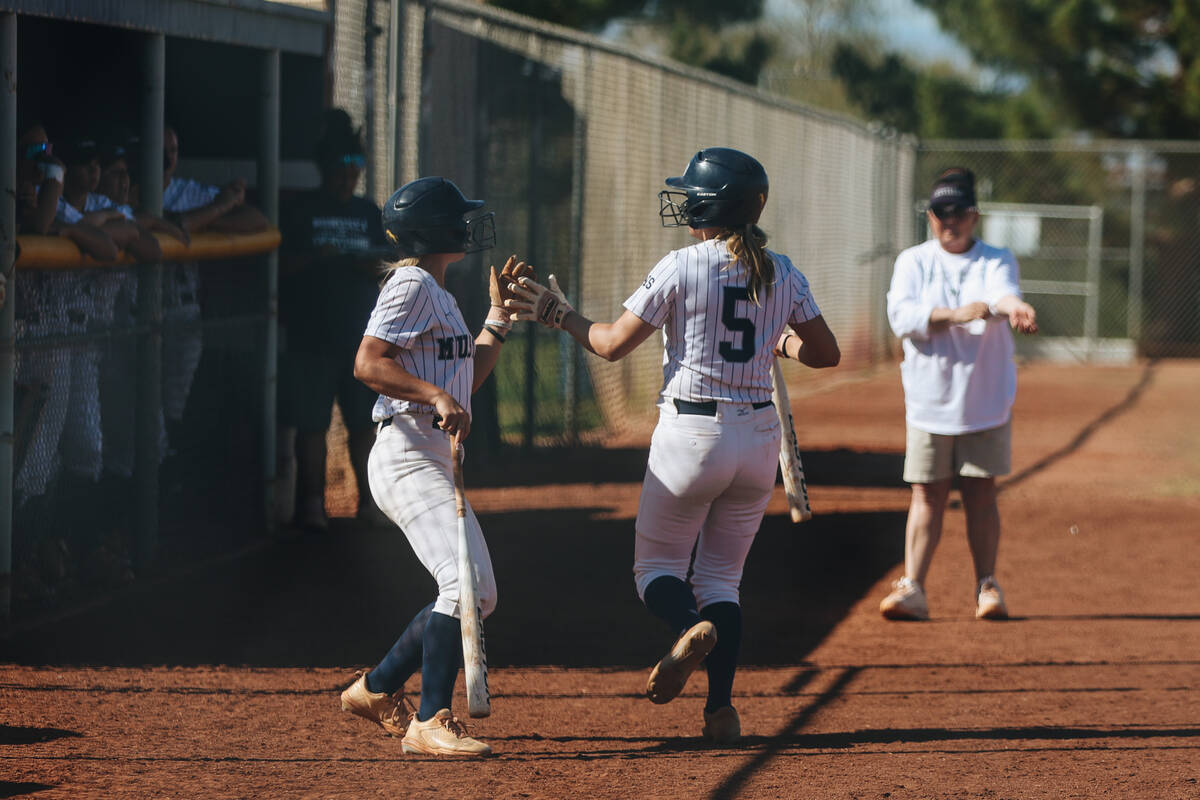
(548, 305)
(499, 283)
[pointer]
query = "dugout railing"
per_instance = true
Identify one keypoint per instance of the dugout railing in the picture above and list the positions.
(238, 327)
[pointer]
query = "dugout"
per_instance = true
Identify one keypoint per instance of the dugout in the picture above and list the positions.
(243, 81)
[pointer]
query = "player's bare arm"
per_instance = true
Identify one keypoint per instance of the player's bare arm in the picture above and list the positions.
(90, 240)
(102, 217)
(143, 246)
(611, 341)
(811, 343)
(375, 365)
(941, 317)
(1021, 315)
(240, 219)
(160, 225)
(45, 202)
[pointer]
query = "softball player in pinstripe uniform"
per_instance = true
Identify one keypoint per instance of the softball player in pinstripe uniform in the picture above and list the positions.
(419, 354)
(726, 306)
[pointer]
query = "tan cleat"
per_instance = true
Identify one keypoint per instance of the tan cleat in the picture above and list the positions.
(907, 601)
(389, 711)
(443, 734)
(722, 726)
(990, 600)
(669, 675)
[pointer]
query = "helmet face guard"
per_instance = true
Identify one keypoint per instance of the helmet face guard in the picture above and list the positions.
(672, 208)
(480, 233)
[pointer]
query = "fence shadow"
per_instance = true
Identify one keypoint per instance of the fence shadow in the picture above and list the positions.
(566, 597)
(590, 464)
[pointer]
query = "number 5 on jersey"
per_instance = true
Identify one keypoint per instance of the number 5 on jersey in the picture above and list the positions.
(735, 324)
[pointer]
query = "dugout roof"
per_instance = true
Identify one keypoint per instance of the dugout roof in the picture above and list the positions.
(249, 23)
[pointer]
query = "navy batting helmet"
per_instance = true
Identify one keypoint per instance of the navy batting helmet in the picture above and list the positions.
(428, 216)
(721, 188)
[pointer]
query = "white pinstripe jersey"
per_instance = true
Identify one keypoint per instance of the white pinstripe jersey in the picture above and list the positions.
(424, 321)
(69, 215)
(717, 343)
(185, 194)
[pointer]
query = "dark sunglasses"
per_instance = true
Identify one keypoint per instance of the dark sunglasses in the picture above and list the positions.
(37, 149)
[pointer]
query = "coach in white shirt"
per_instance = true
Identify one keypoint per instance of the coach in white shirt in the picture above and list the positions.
(952, 301)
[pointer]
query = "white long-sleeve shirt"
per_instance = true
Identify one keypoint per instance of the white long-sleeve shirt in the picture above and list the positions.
(960, 378)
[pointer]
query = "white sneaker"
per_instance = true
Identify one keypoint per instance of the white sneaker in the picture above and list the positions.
(907, 601)
(443, 734)
(990, 600)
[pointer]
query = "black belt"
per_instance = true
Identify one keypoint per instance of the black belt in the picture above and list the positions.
(388, 421)
(708, 408)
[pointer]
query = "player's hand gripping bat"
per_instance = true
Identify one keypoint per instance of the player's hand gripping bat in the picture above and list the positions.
(789, 449)
(479, 702)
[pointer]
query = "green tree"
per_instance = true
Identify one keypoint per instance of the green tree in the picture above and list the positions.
(1125, 68)
(936, 102)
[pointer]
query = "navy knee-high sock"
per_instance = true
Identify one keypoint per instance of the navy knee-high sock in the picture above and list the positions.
(403, 659)
(443, 654)
(670, 599)
(721, 663)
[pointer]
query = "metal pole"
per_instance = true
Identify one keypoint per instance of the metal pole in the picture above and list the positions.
(1091, 321)
(369, 88)
(149, 302)
(268, 198)
(393, 48)
(574, 352)
(8, 242)
(396, 91)
(533, 234)
(1137, 242)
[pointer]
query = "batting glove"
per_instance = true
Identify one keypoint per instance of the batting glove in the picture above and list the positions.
(548, 305)
(498, 282)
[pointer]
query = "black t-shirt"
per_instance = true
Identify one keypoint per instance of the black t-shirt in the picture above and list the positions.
(325, 306)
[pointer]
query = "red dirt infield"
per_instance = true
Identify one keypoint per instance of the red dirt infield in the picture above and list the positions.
(222, 681)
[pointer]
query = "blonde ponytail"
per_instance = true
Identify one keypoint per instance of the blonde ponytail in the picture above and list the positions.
(748, 245)
(389, 267)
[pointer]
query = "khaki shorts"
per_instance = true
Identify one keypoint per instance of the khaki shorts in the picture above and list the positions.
(931, 457)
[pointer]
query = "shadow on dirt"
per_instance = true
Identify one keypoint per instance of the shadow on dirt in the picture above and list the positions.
(19, 788)
(566, 594)
(20, 734)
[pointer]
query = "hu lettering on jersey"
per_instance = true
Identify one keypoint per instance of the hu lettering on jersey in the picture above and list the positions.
(452, 347)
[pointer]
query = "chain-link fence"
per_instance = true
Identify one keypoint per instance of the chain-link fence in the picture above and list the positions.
(569, 140)
(1105, 233)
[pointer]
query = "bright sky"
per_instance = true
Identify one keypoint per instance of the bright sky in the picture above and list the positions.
(903, 26)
